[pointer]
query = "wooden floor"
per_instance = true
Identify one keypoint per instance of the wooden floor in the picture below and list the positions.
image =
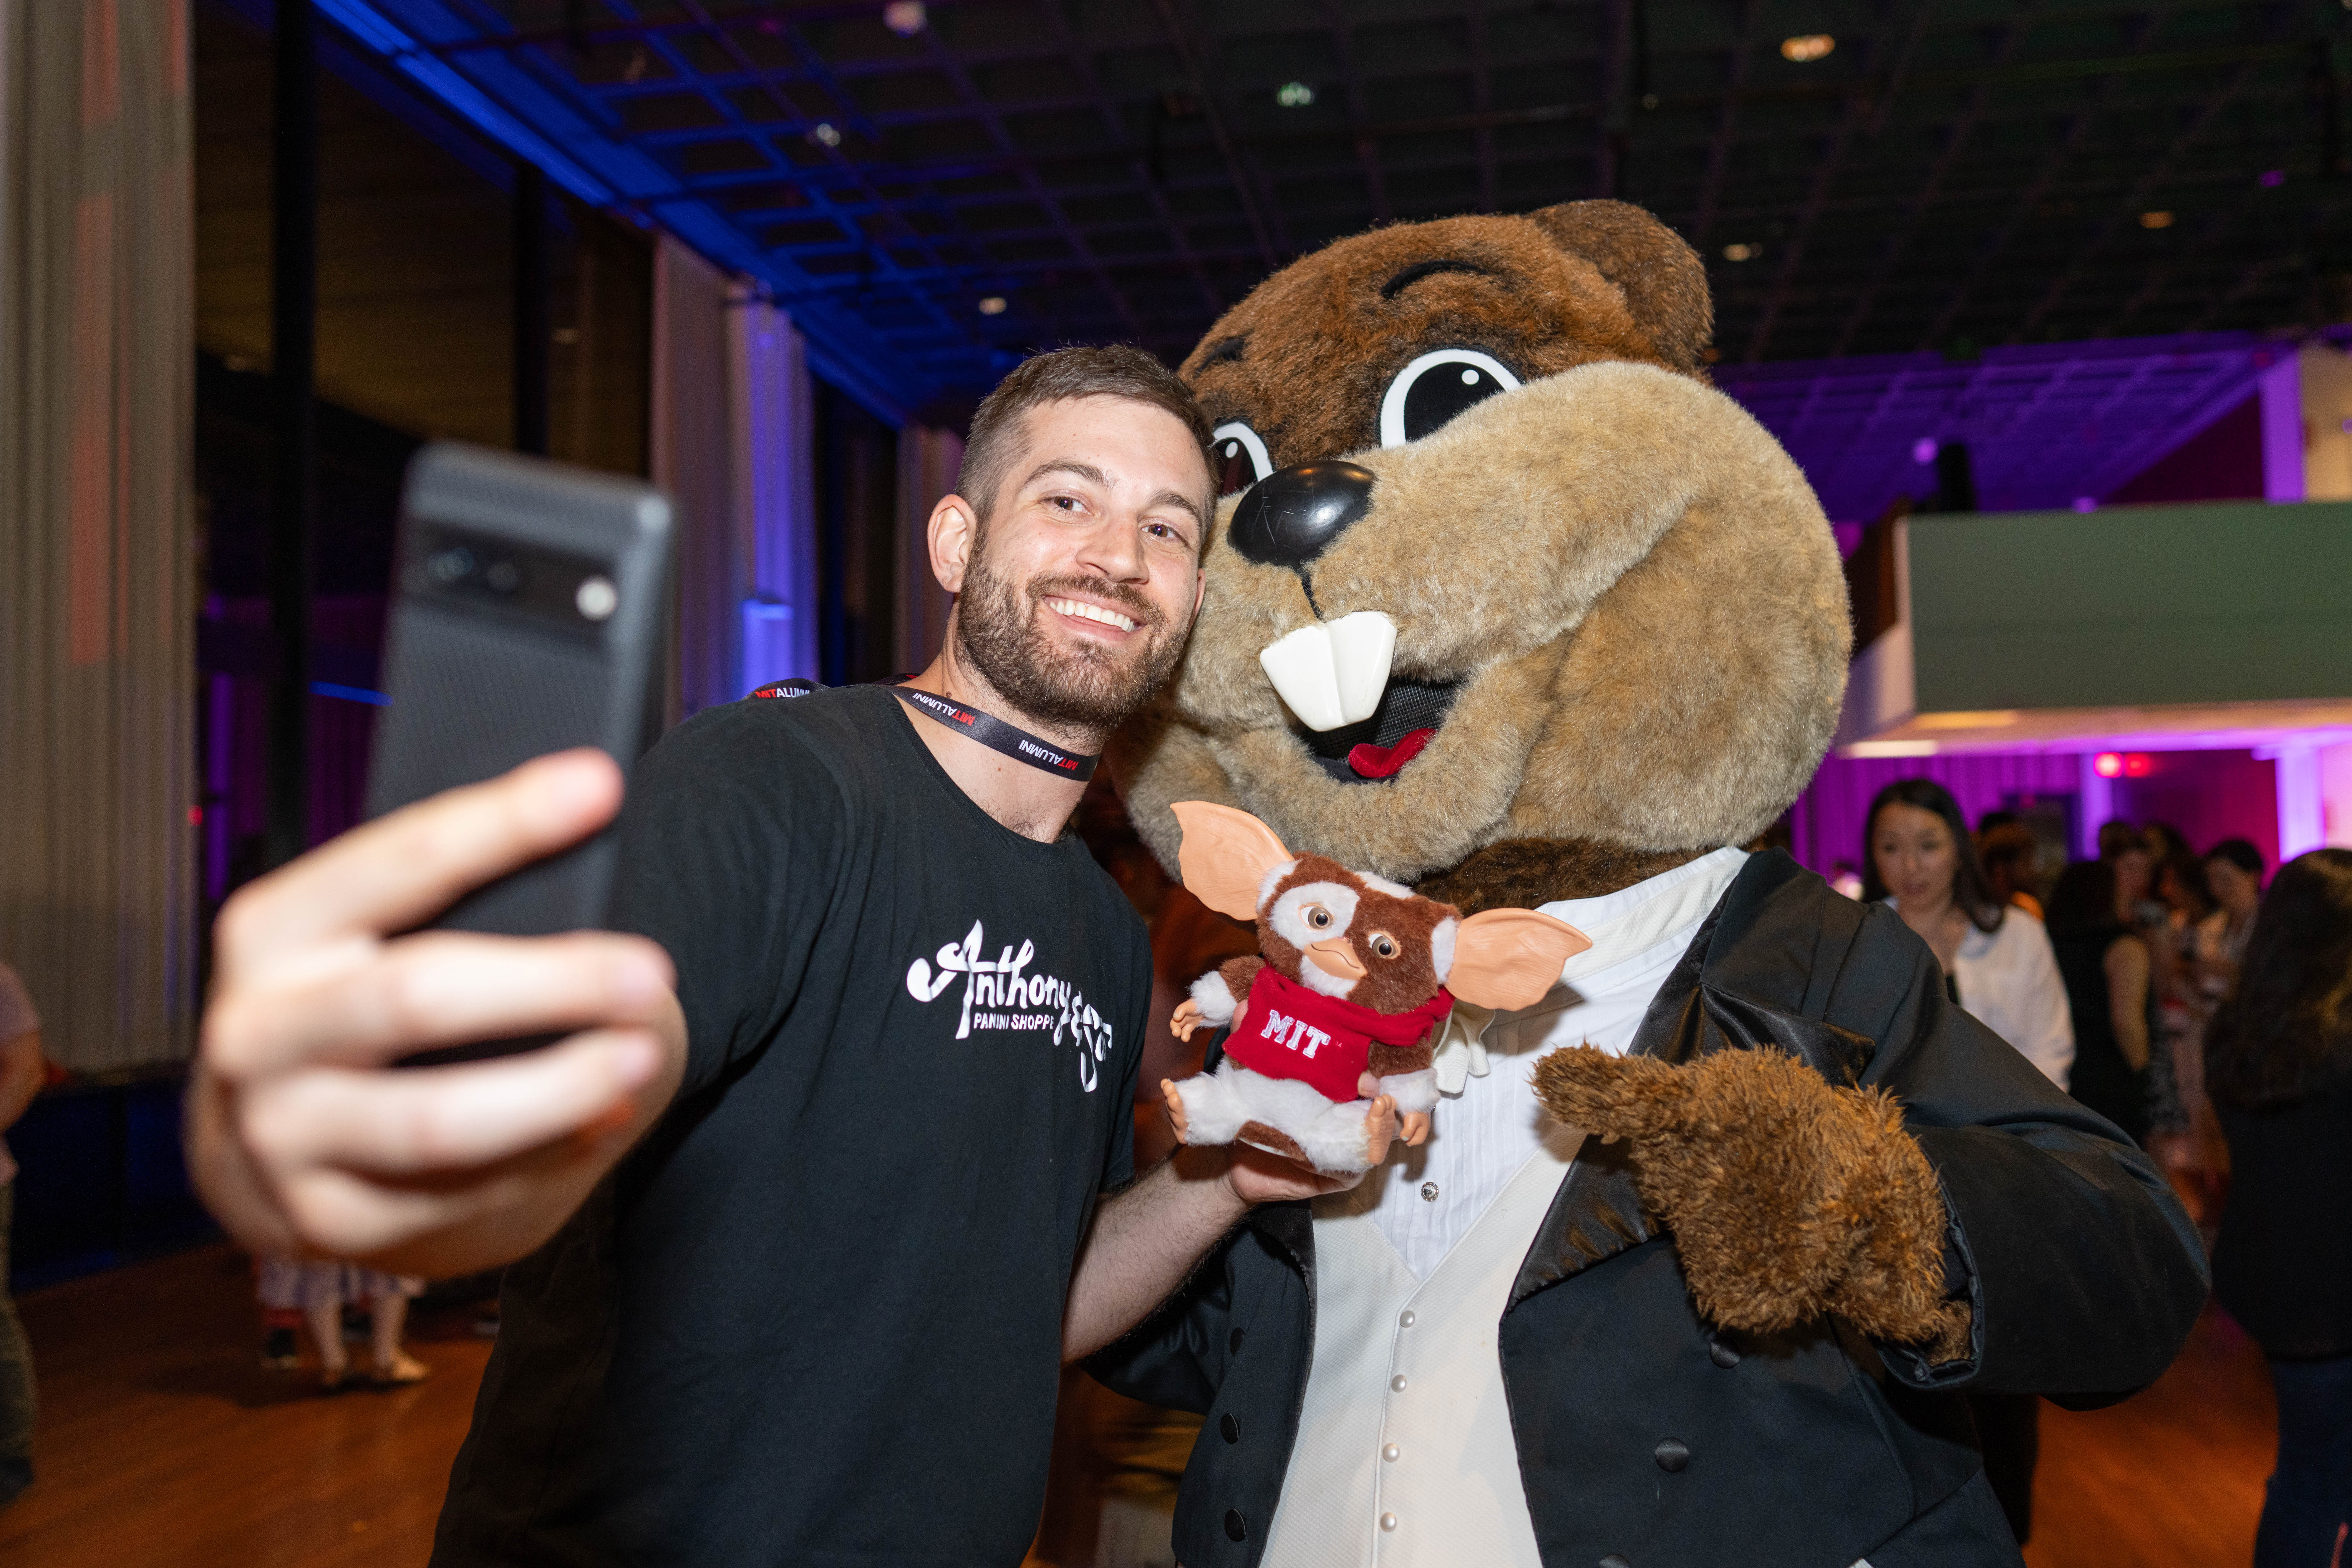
(164, 1445)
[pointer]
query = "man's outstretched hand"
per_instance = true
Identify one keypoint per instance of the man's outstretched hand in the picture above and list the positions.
(302, 1137)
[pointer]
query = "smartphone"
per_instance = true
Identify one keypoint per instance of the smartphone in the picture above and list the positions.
(528, 616)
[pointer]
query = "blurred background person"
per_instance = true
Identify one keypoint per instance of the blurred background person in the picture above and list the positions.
(20, 1078)
(2278, 1063)
(1997, 964)
(320, 1291)
(1997, 958)
(2233, 876)
(2177, 901)
(2010, 856)
(2105, 965)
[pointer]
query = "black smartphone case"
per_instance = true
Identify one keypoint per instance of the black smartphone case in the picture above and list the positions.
(529, 616)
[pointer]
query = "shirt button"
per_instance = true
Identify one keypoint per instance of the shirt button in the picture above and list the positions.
(1230, 1429)
(1397, 1383)
(1236, 1527)
(1429, 1192)
(1672, 1454)
(1614, 1560)
(1406, 1318)
(1391, 1453)
(1233, 1343)
(1722, 1354)
(1388, 1522)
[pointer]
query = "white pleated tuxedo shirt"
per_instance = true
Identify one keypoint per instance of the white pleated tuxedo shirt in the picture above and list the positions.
(1405, 1457)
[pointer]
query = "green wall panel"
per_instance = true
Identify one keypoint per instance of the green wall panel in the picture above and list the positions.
(2133, 605)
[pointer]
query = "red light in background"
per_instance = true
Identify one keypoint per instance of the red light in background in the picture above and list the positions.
(2108, 764)
(2137, 765)
(196, 816)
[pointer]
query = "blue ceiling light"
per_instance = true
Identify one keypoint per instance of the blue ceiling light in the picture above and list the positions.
(552, 122)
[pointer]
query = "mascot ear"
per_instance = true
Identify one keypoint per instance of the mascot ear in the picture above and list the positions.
(1509, 958)
(1225, 856)
(1663, 281)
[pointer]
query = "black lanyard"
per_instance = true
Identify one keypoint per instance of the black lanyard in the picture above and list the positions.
(999, 736)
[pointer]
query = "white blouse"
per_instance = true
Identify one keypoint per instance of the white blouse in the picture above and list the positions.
(2009, 978)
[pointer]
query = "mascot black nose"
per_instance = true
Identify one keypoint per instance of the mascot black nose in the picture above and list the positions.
(1291, 517)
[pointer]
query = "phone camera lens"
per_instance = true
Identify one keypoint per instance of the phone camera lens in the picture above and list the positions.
(502, 578)
(597, 598)
(451, 565)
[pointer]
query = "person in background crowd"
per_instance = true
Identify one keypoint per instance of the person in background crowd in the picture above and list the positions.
(2179, 901)
(2105, 965)
(1996, 959)
(2008, 851)
(2278, 1062)
(1845, 878)
(2233, 874)
(2127, 850)
(20, 1078)
(319, 1292)
(1999, 966)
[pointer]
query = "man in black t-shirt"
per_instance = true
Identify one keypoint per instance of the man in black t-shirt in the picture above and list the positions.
(811, 1206)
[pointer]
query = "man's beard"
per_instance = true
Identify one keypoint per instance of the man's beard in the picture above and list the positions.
(1089, 685)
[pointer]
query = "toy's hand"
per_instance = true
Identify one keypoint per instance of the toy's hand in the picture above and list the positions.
(1187, 1019)
(1416, 1129)
(1788, 1198)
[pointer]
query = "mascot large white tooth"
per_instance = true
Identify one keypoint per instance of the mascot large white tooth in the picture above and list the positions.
(1333, 673)
(1746, 1172)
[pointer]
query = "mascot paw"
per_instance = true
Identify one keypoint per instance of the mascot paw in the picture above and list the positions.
(1788, 1198)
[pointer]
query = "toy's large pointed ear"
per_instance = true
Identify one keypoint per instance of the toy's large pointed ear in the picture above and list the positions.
(1509, 958)
(1225, 856)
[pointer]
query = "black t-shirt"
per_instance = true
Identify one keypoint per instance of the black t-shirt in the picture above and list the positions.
(815, 1317)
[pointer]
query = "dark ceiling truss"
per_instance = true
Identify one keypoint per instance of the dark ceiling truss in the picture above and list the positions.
(1865, 115)
(1954, 140)
(1956, 172)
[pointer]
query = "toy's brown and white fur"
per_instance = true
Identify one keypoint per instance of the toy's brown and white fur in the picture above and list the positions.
(1353, 937)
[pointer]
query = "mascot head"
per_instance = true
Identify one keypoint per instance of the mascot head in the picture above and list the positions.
(1503, 598)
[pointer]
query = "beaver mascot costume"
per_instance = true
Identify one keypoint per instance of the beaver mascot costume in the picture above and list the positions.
(1711, 1250)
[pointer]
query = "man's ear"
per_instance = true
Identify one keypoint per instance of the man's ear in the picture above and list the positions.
(1509, 958)
(1225, 856)
(952, 532)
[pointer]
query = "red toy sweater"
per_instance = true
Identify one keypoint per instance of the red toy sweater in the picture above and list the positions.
(1290, 1032)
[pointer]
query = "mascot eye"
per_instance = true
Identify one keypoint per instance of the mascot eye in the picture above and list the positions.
(1241, 456)
(1435, 387)
(1384, 944)
(1317, 916)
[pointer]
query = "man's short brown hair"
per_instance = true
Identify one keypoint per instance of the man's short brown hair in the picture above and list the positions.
(1118, 370)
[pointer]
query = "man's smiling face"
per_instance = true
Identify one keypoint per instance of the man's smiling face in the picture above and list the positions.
(1085, 575)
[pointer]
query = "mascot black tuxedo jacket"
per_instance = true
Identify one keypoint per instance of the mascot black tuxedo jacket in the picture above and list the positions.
(1811, 1449)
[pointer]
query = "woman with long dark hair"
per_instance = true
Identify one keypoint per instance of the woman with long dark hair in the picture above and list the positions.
(2107, 968)
(1996, 957)
(2278, 1064)
(1997, 964)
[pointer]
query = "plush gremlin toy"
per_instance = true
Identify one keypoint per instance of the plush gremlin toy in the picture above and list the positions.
(1337, 1015)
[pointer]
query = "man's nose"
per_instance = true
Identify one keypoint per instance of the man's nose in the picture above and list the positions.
(1290, 517)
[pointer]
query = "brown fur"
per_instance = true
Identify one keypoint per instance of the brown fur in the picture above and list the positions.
(1396, 984)
(1273, 1140)
(1240, 973)
(1526, 873)
(1304, 358)
(1631, 582)
(1388, 1061)
(1789, 1199)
